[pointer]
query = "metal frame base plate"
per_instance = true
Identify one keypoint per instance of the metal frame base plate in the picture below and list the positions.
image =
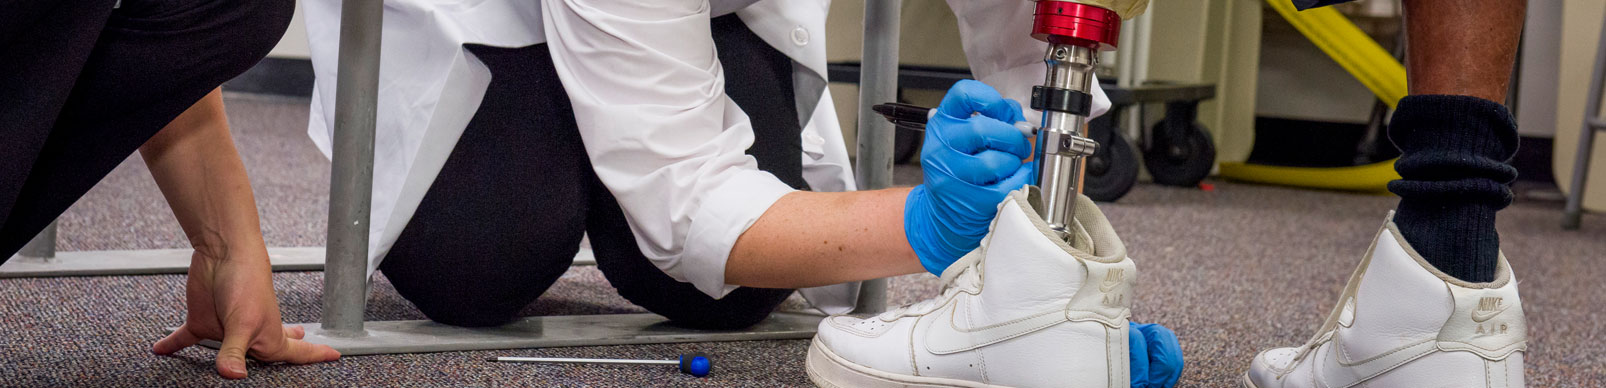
(168, 261)
(392, 337)
(143, 262)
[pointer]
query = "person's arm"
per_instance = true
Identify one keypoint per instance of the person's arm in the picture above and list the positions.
(648, 96)
(230, 287)
(809, 239)
(971, 160)
(812, 239)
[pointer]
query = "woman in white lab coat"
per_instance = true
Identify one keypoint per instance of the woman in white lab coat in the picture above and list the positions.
(509, 129)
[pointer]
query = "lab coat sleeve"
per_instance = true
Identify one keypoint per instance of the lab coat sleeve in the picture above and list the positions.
(648, 95)
(1008, 58)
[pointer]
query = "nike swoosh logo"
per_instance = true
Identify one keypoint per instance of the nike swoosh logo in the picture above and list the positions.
(945, 336)
(1483, 315)
(1339, 374)
(1108, 284)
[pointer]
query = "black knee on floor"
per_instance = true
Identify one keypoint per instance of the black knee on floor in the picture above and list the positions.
(645, 285)
(469, 314)
(456, 290)
(471, 300)
(741, 308)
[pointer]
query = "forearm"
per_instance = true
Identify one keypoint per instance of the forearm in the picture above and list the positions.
(194, 162)
(809, 239)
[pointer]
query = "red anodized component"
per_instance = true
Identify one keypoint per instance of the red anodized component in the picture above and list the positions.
(1064, 22)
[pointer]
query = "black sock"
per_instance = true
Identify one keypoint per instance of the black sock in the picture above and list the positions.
(1454, 154)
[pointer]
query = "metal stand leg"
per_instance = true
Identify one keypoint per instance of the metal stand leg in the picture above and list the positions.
(345, 281)
(1573, 216)
(878, 82)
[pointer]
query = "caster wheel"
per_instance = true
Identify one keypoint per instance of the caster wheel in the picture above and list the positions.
(1112, 169)
(1180, 162)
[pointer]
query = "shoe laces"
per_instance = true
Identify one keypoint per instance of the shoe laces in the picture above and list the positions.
(1328, 330)
(963, 275)
(1308, 348)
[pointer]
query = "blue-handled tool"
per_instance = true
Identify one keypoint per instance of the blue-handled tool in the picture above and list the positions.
(695, 364)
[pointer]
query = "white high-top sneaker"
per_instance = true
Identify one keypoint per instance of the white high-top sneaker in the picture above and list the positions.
(1402, 323)
(1025, 309)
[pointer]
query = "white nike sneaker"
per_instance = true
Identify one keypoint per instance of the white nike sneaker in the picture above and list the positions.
(1025, 309)
(1402, 323)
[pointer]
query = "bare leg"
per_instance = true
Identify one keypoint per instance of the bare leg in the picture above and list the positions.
(1462, 47)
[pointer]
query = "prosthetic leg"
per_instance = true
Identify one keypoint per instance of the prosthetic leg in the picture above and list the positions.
(1075, 34)
(1046, 314)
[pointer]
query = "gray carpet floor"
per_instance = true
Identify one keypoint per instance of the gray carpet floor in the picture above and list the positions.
(1233, 270)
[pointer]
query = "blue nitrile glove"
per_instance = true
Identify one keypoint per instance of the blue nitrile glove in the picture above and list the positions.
(1156, 356)
(971, 162)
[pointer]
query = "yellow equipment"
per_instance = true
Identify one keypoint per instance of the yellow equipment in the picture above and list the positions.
(1364, 59)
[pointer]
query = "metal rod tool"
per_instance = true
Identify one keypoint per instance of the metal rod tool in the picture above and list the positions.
(695, 364)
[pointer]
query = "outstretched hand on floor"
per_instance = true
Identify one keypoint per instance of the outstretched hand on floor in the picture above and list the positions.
(232, 301)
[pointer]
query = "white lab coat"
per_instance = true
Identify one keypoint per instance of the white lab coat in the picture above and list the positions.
(670, 146)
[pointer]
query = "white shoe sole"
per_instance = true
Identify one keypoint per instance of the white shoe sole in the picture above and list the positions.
(827, 370)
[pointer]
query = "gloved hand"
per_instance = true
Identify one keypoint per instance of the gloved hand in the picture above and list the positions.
(972, 159)
(1156, 356)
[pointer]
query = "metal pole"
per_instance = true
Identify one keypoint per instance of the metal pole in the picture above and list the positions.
(1139, 42)
(878, 83)
(561, 360)
(345, 281)
(43, 245)
(1573, 215)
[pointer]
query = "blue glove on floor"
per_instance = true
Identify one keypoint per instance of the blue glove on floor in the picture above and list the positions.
(972, 160)
(1156, 356)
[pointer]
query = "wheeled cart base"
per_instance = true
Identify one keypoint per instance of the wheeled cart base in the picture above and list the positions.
(1177, 151)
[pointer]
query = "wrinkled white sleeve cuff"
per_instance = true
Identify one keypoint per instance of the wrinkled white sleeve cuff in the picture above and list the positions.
(726, 213)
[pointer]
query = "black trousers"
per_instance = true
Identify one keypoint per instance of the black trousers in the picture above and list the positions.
(504, 218)
(82, 86)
